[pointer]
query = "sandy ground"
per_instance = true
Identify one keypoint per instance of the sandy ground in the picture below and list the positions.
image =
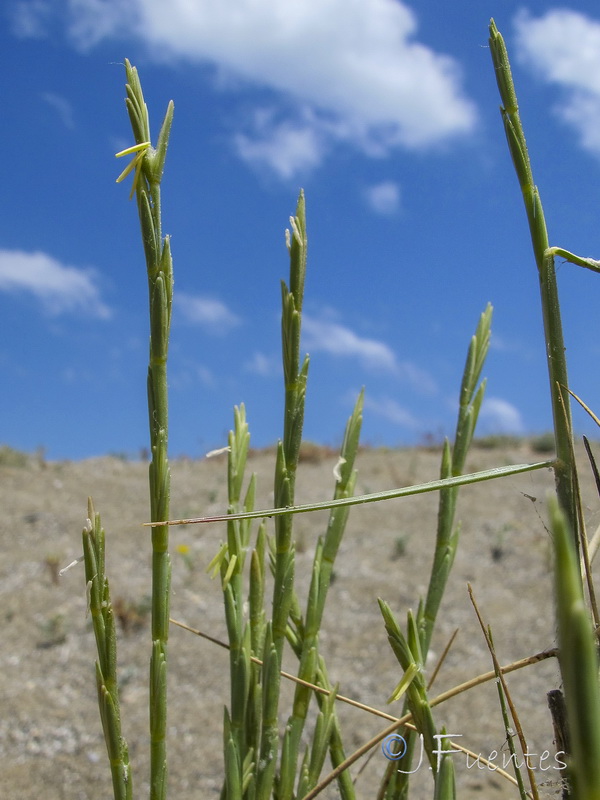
(50, 739)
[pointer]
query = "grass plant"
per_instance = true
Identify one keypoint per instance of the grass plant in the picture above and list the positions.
(148, 165)
(103, 621)
(544, 258)
(271, 751)
(578, 649)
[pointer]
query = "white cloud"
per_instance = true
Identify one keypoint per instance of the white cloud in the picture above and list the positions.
(207, 312)
(286, 147)
(60, 288)
(330, 337)
(338, 340)
(418, 378)
(582, 112)
(62, 106)
(357, 64)
(186, 373)
(262, 365)
(391, 410)
(563, 47)
(500, 343)
(384, 198)
(500, 416)
(29, 19)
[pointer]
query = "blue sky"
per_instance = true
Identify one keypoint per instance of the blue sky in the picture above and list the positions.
(386, 113)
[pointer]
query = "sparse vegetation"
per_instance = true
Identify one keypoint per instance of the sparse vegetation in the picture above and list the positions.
(399, 550)
(9, 457)
(498, 442)
(268, 619)
(544, 443)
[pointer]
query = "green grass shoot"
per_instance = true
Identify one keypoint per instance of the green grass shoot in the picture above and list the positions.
(293, 750)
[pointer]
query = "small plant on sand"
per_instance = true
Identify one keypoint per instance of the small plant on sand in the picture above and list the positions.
(276, 752)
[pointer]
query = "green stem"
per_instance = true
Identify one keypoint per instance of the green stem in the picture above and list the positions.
(160, 288)
(241, 737)
(453, 465)
(578, 657)
(588, 263)
(360, 499)
(544, 257)
(295, 378)
(307, 629)
(103, 622)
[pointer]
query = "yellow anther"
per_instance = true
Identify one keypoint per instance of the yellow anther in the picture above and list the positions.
(134, 164)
